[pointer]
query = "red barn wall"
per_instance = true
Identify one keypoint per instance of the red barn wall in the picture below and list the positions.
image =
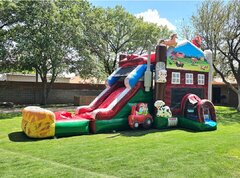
(183, 85)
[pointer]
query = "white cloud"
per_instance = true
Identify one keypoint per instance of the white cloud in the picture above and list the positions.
(152, 15)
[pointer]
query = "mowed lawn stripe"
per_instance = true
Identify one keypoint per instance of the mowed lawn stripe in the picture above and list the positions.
(45, 166)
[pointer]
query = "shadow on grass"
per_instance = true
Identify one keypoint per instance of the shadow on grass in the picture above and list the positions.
(139, 133)
(10, 115)
(21, 137)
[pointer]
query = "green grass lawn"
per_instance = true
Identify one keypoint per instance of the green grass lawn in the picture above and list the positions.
(152, 153)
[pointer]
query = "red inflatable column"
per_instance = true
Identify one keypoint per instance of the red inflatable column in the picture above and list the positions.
(160, 71)
(122, 56)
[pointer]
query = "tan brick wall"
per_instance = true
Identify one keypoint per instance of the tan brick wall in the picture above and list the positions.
(83, 100)
(61, 93)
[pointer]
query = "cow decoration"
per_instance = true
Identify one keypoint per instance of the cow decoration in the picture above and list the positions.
(162, 110)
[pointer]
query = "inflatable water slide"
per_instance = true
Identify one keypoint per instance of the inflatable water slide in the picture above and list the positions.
(109, 111)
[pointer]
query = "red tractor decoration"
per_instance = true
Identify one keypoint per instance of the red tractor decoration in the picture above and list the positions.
(140, 116)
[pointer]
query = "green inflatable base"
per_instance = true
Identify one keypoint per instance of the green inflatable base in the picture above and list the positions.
(70, 128)
(194, 125)
(162, 123)
(118, 124)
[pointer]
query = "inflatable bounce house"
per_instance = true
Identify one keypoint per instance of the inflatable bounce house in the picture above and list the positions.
(159, 90)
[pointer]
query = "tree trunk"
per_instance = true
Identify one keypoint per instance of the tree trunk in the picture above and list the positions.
(44, 91)
(238, 108)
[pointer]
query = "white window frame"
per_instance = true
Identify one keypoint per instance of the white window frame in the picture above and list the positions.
(189, 78)
(201, 79)
(176, 78)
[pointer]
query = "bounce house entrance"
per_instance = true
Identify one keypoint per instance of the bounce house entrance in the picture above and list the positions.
(197, 109)
(189, 106)
(206, 114)
(191, 111)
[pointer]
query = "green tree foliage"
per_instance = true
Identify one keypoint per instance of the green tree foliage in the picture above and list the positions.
(185, 30)
(112, 31)
(44, 33)
(219, 25)
(8, 18)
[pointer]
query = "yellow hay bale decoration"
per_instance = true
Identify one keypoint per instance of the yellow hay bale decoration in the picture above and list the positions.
(38, 122)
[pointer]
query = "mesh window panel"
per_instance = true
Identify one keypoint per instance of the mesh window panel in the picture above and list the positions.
(178, 93)
(124, 71)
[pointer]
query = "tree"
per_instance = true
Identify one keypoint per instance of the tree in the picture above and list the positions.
(86, 65)
(50, 37)
(148, 33)
(44, 34)
(112, 31)
(219, 25)
(8, 10)
(185, 30)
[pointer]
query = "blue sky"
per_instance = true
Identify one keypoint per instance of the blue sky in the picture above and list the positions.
(168, 13)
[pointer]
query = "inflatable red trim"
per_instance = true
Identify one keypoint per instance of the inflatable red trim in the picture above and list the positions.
(95, 105)
(197, 41)
(192, 97)
(106, 115)
(134, 60)
(208, 104)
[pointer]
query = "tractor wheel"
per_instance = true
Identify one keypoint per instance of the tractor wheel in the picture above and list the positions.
(147, 123)
(135, 125)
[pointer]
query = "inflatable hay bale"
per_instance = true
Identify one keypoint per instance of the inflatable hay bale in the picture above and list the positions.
(38, 122)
